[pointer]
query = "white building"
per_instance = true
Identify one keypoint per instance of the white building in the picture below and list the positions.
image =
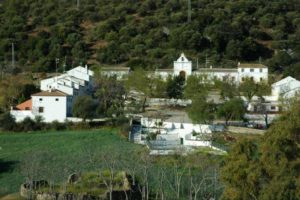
(118, 72)
(58, 94)
(182, 66)
(282, 91)
(51, 105)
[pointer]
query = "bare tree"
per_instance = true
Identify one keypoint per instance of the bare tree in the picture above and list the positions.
(178, 172)
(110, 164)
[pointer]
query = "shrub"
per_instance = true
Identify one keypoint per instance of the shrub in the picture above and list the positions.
(58, 126)
(27, 125)
(7, 122)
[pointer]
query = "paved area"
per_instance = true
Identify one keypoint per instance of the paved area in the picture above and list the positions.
(244, 130)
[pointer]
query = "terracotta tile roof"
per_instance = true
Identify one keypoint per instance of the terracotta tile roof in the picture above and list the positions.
(251, 65)
(26, 105)
(54, 93)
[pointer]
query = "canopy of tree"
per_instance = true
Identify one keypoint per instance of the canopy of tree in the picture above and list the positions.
(270, 168)
(149, 33)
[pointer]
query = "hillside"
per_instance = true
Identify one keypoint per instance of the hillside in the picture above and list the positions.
(150, 33)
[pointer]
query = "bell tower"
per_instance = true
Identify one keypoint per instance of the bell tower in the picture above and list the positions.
(182, 66)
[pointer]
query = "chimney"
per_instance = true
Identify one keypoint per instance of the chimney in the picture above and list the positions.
(211, 67)
(239, 63)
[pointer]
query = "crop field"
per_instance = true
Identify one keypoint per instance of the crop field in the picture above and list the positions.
(59, 150)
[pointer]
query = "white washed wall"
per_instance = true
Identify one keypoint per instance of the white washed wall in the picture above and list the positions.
(20, 115)
(53, 110)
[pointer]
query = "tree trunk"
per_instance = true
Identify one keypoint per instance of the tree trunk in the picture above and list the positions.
(144, 104)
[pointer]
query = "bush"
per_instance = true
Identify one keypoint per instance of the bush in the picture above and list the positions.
(58, 126)
(7, 122)
(27, 125)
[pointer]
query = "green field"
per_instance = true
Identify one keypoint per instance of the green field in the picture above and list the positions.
(60, 151)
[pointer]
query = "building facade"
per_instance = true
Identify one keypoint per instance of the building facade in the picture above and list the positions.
(57, 96)
(183, 66)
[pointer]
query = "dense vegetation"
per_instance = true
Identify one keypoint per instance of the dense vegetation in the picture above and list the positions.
(149, 33)
(269, 168)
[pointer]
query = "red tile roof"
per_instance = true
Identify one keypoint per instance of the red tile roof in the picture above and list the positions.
(27, 105)
(54, 93)
(251, 65)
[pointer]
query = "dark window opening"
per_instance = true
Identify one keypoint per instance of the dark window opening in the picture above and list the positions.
(41, 109)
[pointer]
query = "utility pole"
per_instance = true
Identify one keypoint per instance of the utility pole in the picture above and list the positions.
(2, 68)
(12, 55)
(56, 63)
(65, 64)
(206, 61)
(189, 11)
(78, 4)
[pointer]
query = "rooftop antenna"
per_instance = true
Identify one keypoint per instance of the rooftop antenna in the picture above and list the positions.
(189, 11)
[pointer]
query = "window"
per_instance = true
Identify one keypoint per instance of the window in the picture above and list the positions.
(41, 99)
(243, 70)
(260, 70)
(56, 99)
(41, 109)
(251, 70)
(251, 78)
(273, 107)
(261, 79)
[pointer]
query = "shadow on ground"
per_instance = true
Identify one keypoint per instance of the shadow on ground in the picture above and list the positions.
(6, 166)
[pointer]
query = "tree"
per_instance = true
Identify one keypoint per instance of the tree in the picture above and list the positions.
(175, 87)
(201, 111)
(228, 89)
(111, 96)
(268, 169)
(241, 172)
(143, 82)
(84, 107)
(7, 122)
(232, 109)
(195, 87)
(249, 88)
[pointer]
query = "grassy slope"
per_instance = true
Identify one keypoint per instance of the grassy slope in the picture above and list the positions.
(63, 146)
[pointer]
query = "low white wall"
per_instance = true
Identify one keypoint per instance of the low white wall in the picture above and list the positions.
(20, 115)
(168, 102)
(261, 118)
(180, 128)
(196, 143)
